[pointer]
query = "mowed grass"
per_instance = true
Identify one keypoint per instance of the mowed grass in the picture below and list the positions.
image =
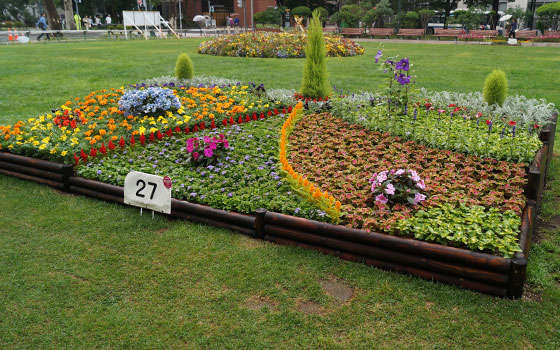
(81, 273)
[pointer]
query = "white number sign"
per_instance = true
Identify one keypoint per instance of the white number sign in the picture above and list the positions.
(147, 191)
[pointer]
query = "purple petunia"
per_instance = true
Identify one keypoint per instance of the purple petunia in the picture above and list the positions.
(378, 56)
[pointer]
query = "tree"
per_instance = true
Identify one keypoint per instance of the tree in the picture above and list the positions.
(425, 16)
(351, 14)
(17, 9)
(549, 16)
(383, 10)
(52, 16)
(69, 14)
(315, 77)
(302, 11)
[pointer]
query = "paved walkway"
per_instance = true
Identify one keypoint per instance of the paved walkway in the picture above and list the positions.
(197, 33)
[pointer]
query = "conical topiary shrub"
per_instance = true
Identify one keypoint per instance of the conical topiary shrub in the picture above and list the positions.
(495, 88)
(315, 83)
(184, 67)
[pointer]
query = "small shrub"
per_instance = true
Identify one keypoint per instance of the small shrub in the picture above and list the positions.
(495, 88)
(184, 67)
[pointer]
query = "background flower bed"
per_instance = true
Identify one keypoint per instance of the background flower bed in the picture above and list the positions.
(276, 45)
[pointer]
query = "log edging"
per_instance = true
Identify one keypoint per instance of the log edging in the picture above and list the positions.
(485, 273)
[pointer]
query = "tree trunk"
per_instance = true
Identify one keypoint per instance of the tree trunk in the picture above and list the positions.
(53, 18)
(69, 15)
(496, 16)
(173, 13)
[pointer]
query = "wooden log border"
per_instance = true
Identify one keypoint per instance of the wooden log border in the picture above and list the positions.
(485, 273)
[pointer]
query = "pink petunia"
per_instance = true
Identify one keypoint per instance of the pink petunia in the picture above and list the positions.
(381, 198)
(390, 189)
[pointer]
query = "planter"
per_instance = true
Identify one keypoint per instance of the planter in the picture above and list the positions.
(481, 272)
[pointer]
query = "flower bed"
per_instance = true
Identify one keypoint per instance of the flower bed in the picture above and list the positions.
(275, 45)
(315, 166)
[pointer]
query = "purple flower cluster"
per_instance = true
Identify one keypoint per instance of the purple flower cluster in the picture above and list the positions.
(400, 69)
(205, 150)
(397, 186)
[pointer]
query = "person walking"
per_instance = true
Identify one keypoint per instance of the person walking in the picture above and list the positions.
(513, 28)
(42, 24)
(108, 19)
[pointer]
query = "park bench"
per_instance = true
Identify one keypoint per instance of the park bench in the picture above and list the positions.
(484, 33)
(352, 32)
(330, 29)
(410, 32)
(449, 33)
(387, 32)
(526, 34)
(551, 34)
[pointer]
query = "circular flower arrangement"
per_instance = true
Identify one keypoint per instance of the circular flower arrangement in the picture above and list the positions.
(275, 45)
(397, 186)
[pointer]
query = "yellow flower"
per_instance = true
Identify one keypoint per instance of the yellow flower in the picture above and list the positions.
(43, 146)
(142, 130)
(46, 140)
(53, 151)
(154, 130)
(63, 153)
(36, 143)
(74, 141)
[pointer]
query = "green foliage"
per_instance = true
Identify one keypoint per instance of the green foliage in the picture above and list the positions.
(184, 67)
(464, 132)
(495, 88)
(270, 16)
(549, 15)
(302, 11)
(323, 13)
(351, 14)
(370, 18)
(411, 20)
(425, 15)
(475, 227)
(470, 19)
(315, 77)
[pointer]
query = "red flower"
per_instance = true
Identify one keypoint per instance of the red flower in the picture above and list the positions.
(452, 105)
(93, 152)
(111, 145)
(262, 115)
(512, 123)
(142, 139)
(132, 140)
(536, 126)
(224, 122)
(240, 120)
(159, 135)
(195, 129)
(247, 118)
(213, 125)
(102, 149)
(121, 142)
(231, 121)
(83, 155)
(177, 129)
(187, 130)
(152, 137)
(76, 159)
(488, 121)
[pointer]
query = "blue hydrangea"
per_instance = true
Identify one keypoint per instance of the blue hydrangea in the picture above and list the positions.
(151, 100)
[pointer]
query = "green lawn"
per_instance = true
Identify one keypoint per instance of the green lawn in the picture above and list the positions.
(80, 273)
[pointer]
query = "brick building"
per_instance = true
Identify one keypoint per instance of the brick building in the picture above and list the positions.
(222, 9)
